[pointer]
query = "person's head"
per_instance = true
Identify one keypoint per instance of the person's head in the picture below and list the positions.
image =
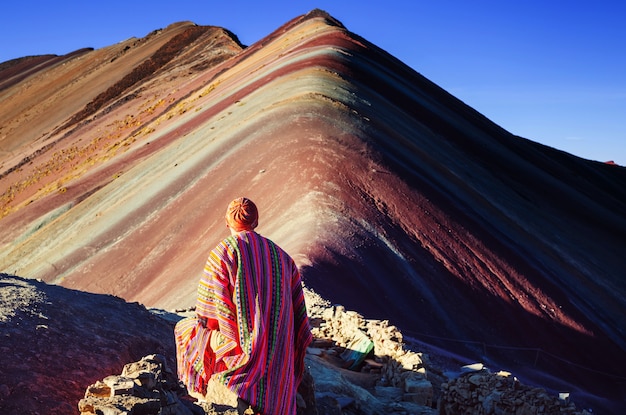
(242, 215)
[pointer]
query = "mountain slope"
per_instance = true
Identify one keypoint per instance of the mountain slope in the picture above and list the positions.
(395, 198)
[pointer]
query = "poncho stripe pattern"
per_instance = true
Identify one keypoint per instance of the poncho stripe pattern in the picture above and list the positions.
(252, 293)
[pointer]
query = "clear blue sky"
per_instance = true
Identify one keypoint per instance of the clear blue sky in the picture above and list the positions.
(553, 71)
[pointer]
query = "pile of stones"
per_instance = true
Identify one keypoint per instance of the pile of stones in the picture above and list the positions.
(144, 387)
(374, 347)
(483, 392)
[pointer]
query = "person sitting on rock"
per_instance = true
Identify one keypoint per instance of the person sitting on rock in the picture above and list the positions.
(251, 329)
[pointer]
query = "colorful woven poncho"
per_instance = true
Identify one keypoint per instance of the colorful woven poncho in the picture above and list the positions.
(252, 299)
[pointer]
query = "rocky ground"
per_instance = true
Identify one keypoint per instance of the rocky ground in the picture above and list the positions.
(54, 342)
(65, 351)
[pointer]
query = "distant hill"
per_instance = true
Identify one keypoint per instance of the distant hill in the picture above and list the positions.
(395, 198)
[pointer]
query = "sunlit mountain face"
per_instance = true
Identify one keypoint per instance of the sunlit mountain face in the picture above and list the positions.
(395, 198)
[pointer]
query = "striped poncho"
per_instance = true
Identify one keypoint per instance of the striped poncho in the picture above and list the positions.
(252, 299)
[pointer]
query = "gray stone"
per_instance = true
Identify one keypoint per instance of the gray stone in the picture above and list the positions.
(120, 385)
